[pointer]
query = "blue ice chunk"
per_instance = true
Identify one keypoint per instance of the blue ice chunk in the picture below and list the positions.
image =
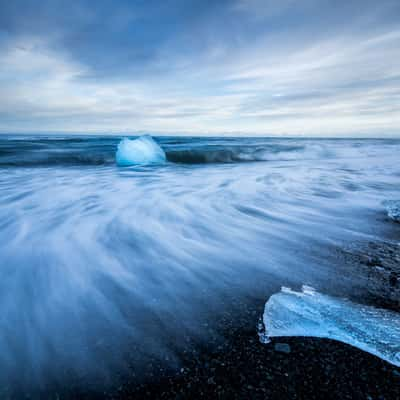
(393, 209)
(309, 313)
(141, 151)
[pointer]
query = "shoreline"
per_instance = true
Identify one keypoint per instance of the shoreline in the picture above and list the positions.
(234, 364)
(293, 367)
(241, 367)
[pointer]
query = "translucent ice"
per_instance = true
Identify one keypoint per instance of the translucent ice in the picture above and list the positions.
(309, 313)
(393, 209)
(141, 151)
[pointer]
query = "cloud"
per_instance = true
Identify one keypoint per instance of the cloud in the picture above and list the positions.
(206, 77)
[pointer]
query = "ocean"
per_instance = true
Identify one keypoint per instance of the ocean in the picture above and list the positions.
(105, 270)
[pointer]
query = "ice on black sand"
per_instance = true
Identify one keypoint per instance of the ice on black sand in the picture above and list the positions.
(312, 314)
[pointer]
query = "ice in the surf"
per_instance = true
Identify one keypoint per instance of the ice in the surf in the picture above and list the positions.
(141, 151)
(393, 209)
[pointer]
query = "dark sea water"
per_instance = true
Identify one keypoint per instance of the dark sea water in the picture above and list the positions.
(104, 268)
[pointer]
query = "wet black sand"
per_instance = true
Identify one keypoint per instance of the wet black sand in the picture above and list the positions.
(243, 368)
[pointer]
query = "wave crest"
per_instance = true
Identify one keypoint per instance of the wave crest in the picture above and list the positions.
(233, 154)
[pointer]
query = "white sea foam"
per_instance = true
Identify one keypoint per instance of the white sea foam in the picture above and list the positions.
(309, 313)
(100, 264)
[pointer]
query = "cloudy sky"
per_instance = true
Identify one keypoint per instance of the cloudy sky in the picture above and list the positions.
(257, 67)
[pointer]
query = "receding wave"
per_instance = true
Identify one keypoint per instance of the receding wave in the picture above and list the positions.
(108, 272)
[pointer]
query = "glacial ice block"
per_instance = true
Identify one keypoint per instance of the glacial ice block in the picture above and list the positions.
(393, 209)
(141, 151)
(309, 313)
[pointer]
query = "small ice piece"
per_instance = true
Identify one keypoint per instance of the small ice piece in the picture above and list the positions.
(309, 313)
(393, 209)
(282, 348)
(141, 151)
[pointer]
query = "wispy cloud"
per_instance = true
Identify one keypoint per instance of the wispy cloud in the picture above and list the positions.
(222, 73)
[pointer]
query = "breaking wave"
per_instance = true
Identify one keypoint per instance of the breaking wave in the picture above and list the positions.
(44, 152)
(213, 155)
(93, 152)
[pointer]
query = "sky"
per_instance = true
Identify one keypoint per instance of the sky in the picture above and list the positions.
(200, 67)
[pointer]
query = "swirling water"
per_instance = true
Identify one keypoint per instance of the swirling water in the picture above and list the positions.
(103, 266)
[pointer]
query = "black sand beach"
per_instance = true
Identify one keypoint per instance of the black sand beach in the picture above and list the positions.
(286, 368)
